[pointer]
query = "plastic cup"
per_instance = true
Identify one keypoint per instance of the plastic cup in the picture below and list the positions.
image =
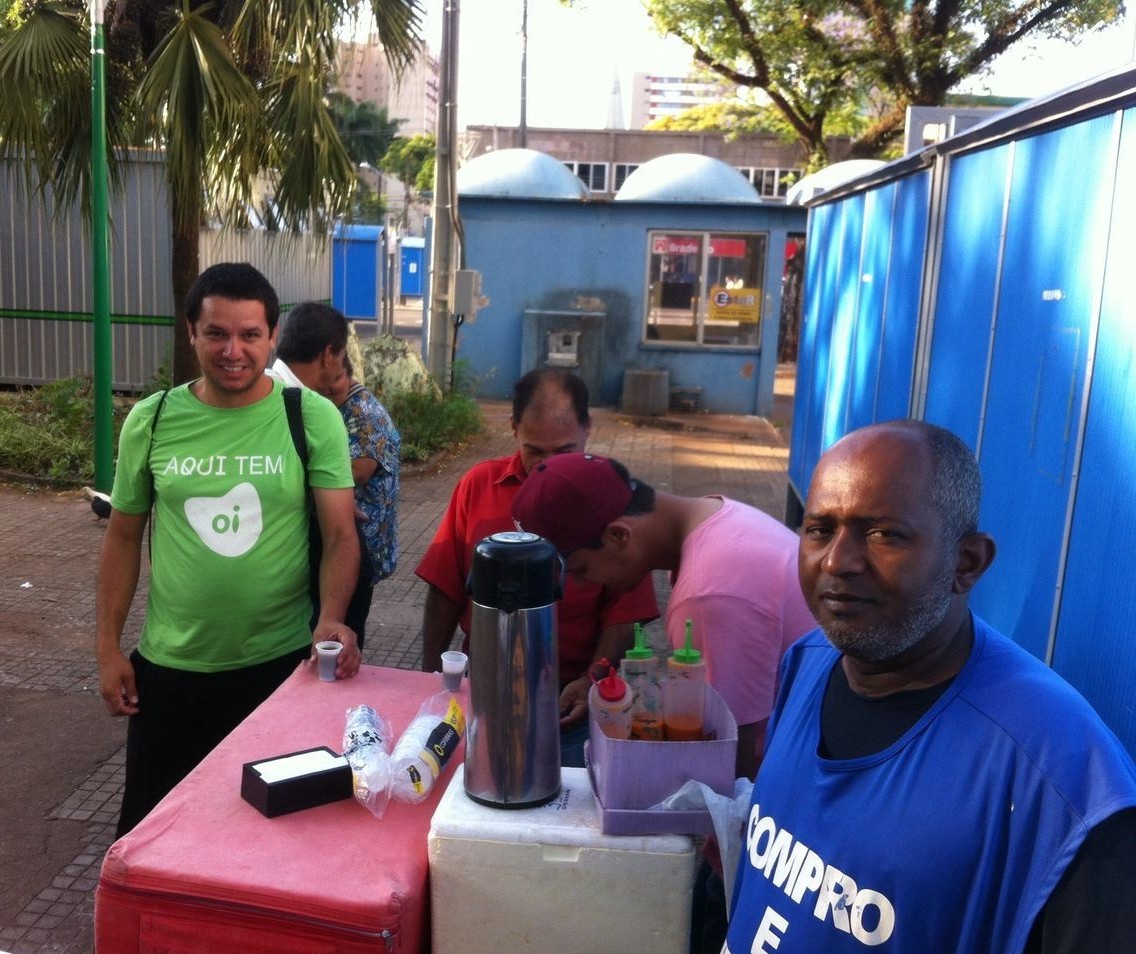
(328, 654)
(453, 668)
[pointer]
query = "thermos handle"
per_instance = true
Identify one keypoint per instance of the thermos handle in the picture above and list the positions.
(561, 576)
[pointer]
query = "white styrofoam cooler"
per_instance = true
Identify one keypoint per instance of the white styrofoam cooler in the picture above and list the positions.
(548, 879)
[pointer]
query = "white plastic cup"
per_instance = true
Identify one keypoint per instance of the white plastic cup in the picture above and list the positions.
(454, 663)
(328, 653)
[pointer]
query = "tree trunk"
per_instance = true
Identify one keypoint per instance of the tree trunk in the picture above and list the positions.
(184, 266)
(789, 329)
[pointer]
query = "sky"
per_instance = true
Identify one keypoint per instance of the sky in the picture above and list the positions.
(574, 55)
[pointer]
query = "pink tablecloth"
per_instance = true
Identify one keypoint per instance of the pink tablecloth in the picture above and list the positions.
(205, 871)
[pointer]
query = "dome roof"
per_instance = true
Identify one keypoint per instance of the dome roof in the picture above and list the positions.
(687, 177)
(828, 178)
(519, 174)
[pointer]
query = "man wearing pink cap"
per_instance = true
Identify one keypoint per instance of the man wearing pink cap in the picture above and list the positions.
(733, 571)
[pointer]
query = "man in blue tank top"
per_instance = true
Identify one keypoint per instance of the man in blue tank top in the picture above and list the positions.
(928, 786)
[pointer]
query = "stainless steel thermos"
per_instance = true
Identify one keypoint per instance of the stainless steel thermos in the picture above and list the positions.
(512, 755)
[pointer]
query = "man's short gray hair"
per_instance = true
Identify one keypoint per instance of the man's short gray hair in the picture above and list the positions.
(956, 482)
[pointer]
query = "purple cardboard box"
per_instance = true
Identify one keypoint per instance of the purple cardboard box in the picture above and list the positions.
(631, 775)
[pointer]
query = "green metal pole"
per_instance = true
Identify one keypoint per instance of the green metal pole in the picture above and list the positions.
(100, 263)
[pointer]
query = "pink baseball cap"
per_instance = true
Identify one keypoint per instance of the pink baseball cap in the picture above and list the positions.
(570, 498)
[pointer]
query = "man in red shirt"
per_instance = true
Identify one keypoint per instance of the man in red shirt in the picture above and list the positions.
(550, 416)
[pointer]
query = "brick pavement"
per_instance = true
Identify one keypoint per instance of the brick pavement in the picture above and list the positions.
(63, 755)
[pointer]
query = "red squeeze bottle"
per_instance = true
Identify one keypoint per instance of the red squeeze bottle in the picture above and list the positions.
(609, 701)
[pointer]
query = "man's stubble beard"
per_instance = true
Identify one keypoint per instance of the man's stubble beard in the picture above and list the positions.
(885, 641)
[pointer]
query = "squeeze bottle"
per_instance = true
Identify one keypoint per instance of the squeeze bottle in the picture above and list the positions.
(684, 692)
(640, 670)
(609, 700)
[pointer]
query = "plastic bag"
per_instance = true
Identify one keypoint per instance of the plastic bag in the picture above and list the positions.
(423, 750)
(728, 813)
(367, 748)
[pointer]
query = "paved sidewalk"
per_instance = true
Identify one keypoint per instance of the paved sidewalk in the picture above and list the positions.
(62, 755)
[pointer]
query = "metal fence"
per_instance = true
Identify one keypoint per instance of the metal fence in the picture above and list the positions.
(45, 275)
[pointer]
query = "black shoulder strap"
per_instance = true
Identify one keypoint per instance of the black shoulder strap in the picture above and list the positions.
(150, 471)
(293, 407)
(153, 428)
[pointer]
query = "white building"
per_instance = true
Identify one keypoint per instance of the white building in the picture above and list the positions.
(366, 76)
(654, 95)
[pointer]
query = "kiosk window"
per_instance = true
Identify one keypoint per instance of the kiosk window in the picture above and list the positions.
(705, 287)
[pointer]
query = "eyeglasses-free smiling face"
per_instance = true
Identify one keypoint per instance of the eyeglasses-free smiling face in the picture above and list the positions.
(874, 566)
(233, 344)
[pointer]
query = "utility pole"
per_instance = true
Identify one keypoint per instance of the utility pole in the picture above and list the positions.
(100, 257)
(523, 128)
(440, 331)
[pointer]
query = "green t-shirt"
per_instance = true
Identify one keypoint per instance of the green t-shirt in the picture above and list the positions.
(229, 534)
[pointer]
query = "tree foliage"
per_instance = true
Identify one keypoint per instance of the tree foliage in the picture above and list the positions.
(229, 90)
(729, 116)
(9, 15)
(366, 130)
(736, 118)
(411, 161)
(816, 59)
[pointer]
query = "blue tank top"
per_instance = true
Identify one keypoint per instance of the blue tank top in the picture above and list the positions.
(949, 840)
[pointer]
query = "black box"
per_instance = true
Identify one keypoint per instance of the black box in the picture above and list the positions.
(314, 777)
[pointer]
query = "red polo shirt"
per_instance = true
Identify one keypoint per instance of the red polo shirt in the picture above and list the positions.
(482, 504)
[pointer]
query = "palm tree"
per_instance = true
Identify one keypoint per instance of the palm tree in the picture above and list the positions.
(228, 89)
(365, 129)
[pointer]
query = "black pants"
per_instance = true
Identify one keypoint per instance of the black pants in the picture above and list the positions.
(708, 912)
(181, 717)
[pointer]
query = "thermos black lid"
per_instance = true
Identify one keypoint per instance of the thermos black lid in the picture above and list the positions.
(514, 570)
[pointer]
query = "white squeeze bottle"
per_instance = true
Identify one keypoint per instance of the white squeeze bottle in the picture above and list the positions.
(684, 693)
(640, 669)
(609, 701)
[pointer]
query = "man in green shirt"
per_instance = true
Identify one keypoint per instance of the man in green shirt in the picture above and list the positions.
(228, 612)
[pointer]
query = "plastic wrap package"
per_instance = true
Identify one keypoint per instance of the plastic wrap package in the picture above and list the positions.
(367, 748)
(728, 814)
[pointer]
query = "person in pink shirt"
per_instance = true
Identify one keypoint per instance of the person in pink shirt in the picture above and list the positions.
(733, 571)
(733, 575)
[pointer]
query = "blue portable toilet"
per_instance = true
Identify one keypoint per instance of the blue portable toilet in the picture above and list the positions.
(411, 265)
(357, 270)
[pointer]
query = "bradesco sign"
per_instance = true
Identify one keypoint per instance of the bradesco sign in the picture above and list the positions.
(676, 245)
(692, 245)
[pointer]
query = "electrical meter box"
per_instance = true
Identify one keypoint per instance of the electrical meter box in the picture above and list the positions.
(468, 299)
